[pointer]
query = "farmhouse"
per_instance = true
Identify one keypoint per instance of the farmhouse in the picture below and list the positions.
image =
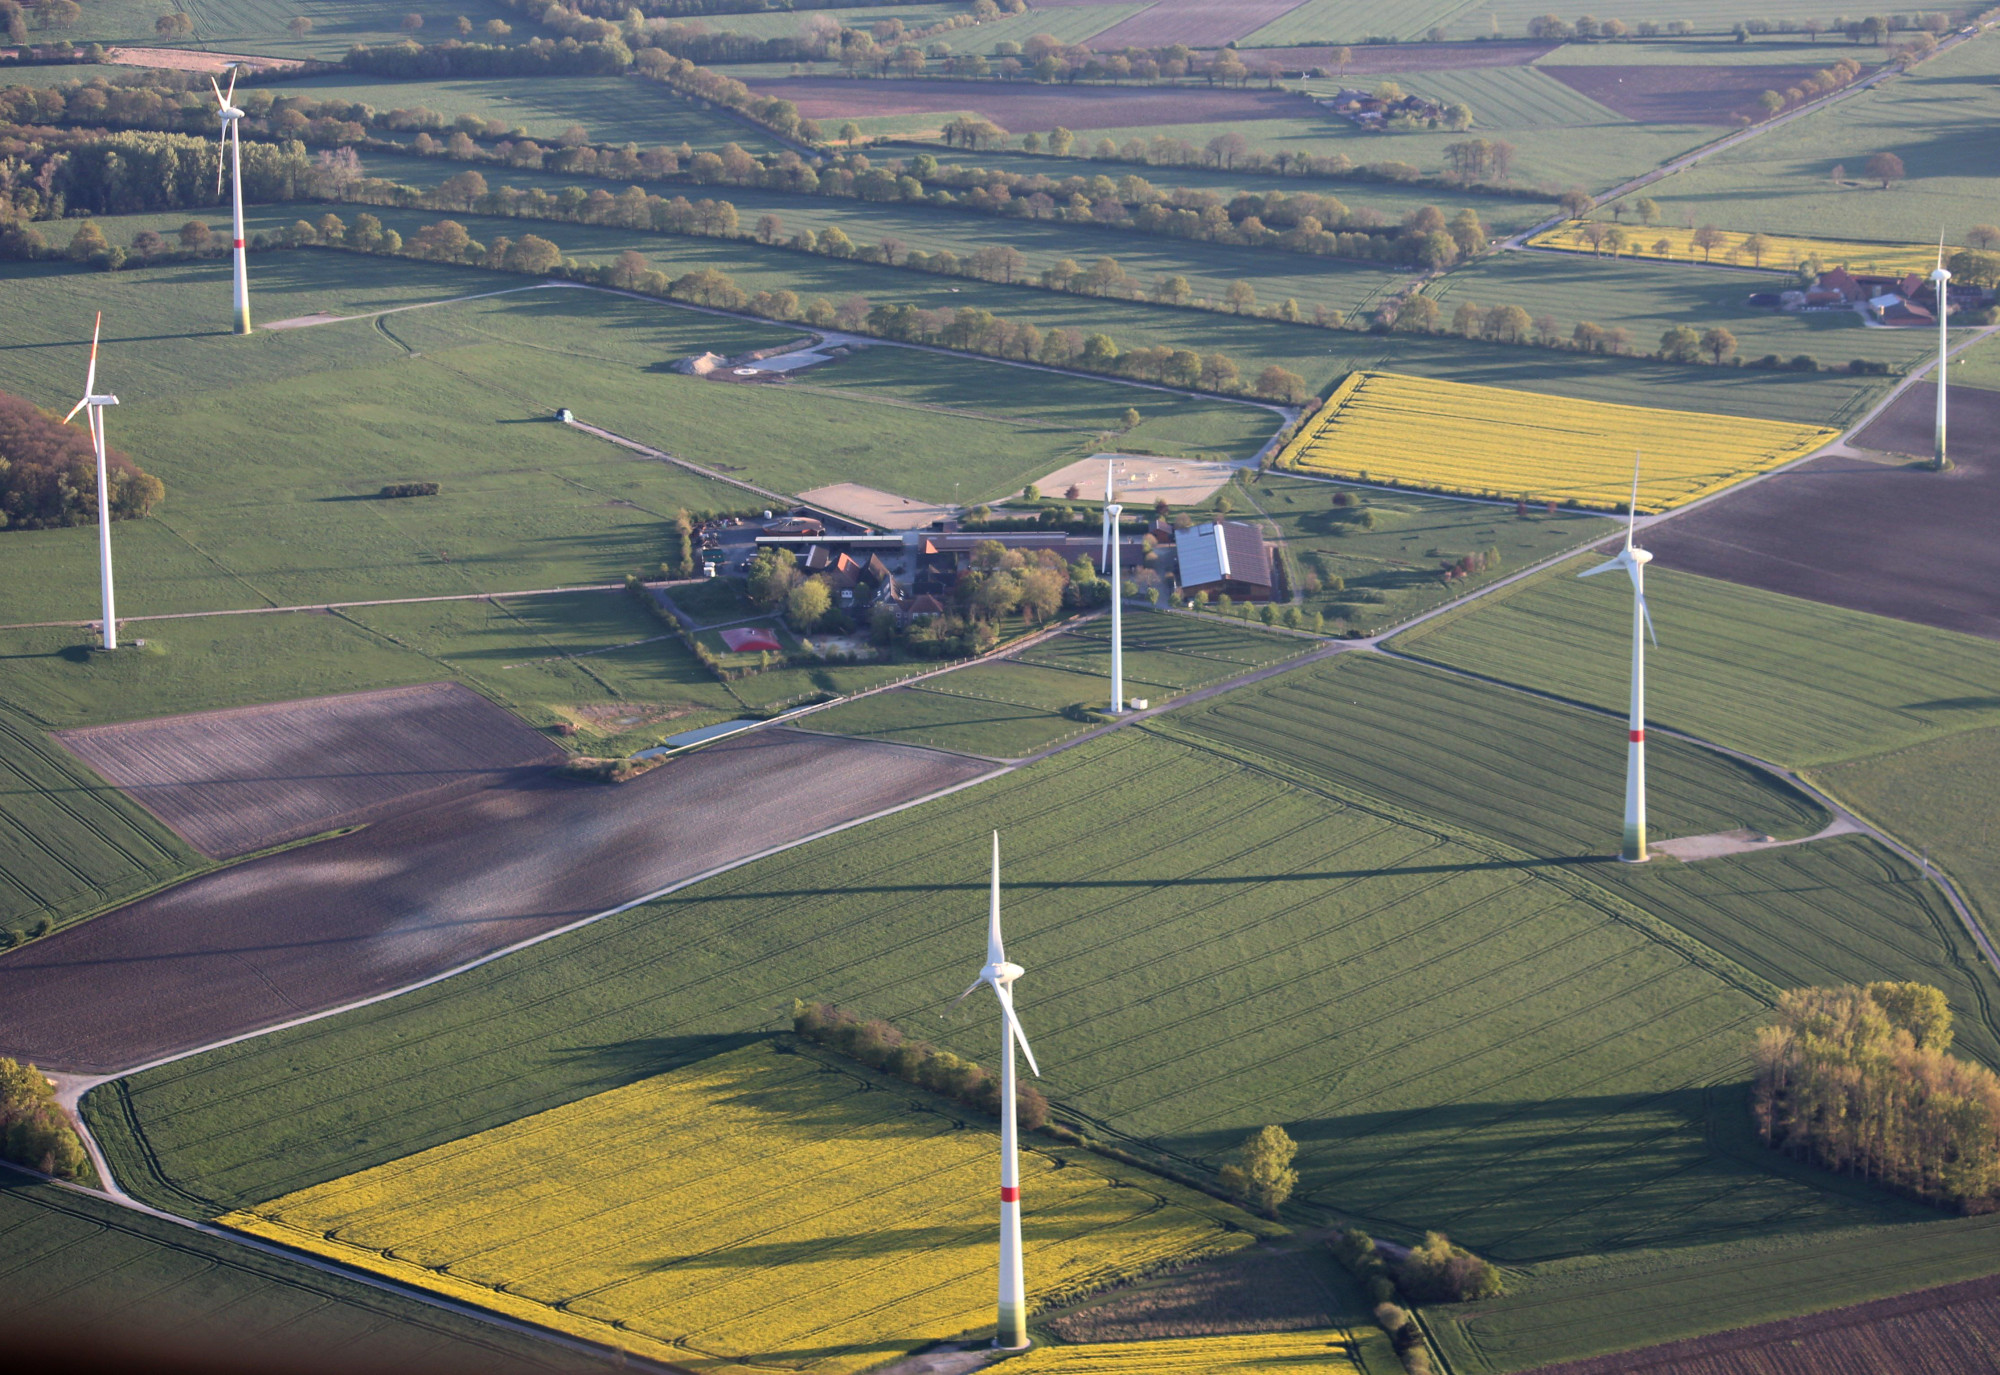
(1370, 111)
(1225, 558)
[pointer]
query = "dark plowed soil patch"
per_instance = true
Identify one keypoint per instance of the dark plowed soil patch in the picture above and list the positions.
(1027, 107)
(1955, 1329)
(230, 782)
(1401, 57)
(1261, 1291)
(445, 882)
(1891, 538)
(1680, 95)
(1197, 23)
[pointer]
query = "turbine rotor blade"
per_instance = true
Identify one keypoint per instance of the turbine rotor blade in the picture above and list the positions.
(1014, 1027)
(970, 991)
(221, 155)
(1632, 516)
(995, 952)
(74, 409)
(1618, 562)
(218, 92)
(1645, 612)
(90, 378)
(1110, 466)
(234, 68)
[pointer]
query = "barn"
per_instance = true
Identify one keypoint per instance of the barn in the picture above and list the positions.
(1225, 558)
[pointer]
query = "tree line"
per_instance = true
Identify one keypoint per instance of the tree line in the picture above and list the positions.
(48, 473)
(33, 1130)
(881, 1046)
(1861, 1081)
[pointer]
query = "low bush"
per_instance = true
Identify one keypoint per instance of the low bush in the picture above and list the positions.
(1439, 1272)
(410, 489)
(879, 1045)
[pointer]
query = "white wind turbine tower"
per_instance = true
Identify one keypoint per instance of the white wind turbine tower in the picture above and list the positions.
(1634, 560)
(1109, 564)
(95, 403)
(1939, 279)
(999, 975)
(232, 143)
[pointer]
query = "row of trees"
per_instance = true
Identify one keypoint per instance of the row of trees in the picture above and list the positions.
(33, 1130)
(1861, 1081)
(48, 473)
(884, 1047)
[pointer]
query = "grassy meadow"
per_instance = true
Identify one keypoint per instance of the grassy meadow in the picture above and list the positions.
(1014, 707)
(118, 1287)
(1362, 1350)
(1796, 682)
(1388, 548)
(1650, 298)
(263, 27)
(1935, 118)
(1343, 21)
(610, 109)
(778, 1180)
(1460, 1034)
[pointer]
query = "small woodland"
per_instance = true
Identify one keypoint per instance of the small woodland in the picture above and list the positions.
(48, 473)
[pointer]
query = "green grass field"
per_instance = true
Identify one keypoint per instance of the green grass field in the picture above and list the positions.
(1934, 118)
(1650, 298)
(263, 26)
(1412, 537)
(1714, 50)
(1978, 366)
(1787, 680)
(1012, 708)
(117, 1289)
(1936, 796)
(1460, 1034)
(1344, 21)
(611, 109)
(1570, 1310)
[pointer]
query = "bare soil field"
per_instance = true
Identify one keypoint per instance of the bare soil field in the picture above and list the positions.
(191, 60)
(884, 510)
(1891, 538)
(1140, 479)
(1679, 95)
(1197, 23)
(1023, 107)
(440, 884)
(1955, 1328)
(1403, 57)
(1260, 1290)
(230, 782)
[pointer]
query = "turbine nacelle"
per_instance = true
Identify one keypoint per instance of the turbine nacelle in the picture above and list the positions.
(1002, 973)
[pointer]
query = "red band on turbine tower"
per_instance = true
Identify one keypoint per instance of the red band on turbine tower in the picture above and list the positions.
(1009, 1194)
(238, 243)
(1638, 737)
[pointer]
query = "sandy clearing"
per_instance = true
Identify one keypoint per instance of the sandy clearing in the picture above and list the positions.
(230, 782)
(1140, 479)
(191, 60)
(887, 510)
(426, 891)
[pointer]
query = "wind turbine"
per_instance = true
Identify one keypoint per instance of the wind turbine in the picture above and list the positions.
(1939, 279)
(1634, 560)
(95, 403)
(232, 141)
(999, 975)
(1112, 510)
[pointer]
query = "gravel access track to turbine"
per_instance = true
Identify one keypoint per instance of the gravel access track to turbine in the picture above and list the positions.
(1891, 538)
(232, 782)
(426, 890)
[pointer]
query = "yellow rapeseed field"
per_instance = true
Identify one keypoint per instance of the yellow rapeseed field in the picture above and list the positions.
(1494, 441)
(1362, 1352)
(756, 1208)
(1784, 251)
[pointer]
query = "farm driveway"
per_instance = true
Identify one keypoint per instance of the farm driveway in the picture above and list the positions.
(426, 891)
(230, 782)
(1887, 537)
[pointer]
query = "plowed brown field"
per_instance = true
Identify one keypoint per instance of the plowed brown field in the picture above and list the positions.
(1954, 1330)
(1020, 107)
(422, 892)
(1679, 95)
(230, 782)
(1889, 537)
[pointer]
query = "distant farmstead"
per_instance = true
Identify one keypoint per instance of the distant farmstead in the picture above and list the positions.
(1225, 558)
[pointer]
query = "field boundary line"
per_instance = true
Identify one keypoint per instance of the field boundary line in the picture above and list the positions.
(612, 1355)
(309, 322)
